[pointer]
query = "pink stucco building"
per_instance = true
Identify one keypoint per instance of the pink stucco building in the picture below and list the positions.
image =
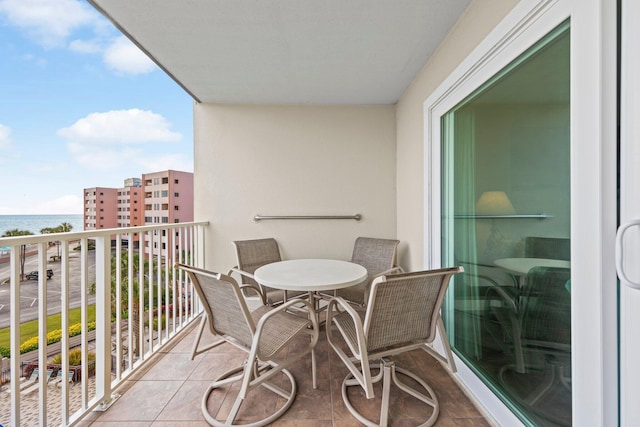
(100, 207)
(156, 198)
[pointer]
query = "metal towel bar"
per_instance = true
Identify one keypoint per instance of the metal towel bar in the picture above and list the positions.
(259, 217)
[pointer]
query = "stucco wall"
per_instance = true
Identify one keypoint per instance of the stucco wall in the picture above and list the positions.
(294, 160)
(477, 21)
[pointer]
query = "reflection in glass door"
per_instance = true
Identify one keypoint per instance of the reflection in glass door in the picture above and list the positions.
(506, 219)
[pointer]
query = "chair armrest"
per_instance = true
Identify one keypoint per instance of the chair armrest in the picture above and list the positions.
(510, 300)
(313, 318)
(334, 306)
(256, 289)
(247, 286)
(241, 272)
(395, 270)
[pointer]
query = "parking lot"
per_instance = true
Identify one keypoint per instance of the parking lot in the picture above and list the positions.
(29, 288)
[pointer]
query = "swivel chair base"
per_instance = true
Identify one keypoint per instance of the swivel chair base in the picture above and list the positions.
(230, 377)
(387, 374)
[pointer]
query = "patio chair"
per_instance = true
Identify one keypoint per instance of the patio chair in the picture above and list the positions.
(403, 314)
(378, 256)
(536, 328)
(263, 334)
(33, 378)
(35, 385)
(253, 254)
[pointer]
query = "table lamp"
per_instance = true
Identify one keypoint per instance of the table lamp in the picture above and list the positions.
(494, 204)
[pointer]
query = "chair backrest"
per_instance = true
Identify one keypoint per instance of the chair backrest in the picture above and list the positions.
(404, 308)
(547, 247)
(253, 254)
(223, 303)
(546, 318)
(376, 255)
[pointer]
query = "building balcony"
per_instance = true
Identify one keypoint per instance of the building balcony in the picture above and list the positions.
(145, 314)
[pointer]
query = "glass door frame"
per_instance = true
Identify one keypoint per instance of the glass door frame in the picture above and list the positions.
(629, 248)
(593, 187)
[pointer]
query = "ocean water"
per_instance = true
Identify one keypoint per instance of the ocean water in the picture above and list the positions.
(35, 223)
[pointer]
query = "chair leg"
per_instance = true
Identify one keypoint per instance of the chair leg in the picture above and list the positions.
(194, 350)
(388, 375)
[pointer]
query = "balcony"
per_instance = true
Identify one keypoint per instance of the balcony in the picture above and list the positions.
(143, 372)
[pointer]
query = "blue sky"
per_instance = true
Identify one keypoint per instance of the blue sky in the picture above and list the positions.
(80, 106)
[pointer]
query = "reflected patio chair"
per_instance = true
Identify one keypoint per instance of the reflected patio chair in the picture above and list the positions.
(263, 334)
(536, 323)
(253, 254)
(403, 314)
(378, 256)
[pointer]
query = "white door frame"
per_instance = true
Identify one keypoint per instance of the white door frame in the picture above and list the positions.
(629, 211)
(593, 187)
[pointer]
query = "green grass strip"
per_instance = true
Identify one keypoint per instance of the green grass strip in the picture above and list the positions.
(30, 329)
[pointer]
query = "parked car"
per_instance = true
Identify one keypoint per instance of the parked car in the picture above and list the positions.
(33, 275)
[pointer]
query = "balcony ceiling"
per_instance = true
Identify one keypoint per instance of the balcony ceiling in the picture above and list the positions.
(288, 51)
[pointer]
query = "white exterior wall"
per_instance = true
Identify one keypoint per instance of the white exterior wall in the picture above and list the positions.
(294, 160)
(477, 21)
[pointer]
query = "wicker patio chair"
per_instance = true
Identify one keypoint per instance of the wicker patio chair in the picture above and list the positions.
(536, 328)
(263, 334)
(378, 256)
(253, 254)
(403, 314)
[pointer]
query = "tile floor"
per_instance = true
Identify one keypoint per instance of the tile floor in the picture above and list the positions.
(169, 392)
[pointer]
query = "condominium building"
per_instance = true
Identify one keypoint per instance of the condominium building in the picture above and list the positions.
(156, 198)
(100, 208)
(131, 203)
(168, 197)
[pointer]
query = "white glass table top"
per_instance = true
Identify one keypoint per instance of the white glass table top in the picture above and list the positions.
(310, 274)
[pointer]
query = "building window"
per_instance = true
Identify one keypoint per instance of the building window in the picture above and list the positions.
(176, 181)
(176, 220)
(165, 220)
(164, 193)
(176, 194)
(176, 208)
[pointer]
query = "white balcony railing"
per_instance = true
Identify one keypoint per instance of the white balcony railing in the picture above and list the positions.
(141, 303)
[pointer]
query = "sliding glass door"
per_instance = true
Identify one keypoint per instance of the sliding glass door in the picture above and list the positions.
(506, 217)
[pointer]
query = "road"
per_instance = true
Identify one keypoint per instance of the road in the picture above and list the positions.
(29, 288)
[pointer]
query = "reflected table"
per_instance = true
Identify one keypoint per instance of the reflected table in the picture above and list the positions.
(521, 266)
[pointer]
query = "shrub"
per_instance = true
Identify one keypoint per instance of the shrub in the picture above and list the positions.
(54, 337)
(5, 352)
(75, 358)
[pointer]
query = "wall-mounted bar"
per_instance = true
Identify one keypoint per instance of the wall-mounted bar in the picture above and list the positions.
(259, 217)
(531, 216)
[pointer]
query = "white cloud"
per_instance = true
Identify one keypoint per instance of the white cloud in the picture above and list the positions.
(104, 158)
(5, 137)
(166, 161)
(113, 140)
(69, 204)
(124, 57)
(131, 126)
(49, 22)
(85, 46)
